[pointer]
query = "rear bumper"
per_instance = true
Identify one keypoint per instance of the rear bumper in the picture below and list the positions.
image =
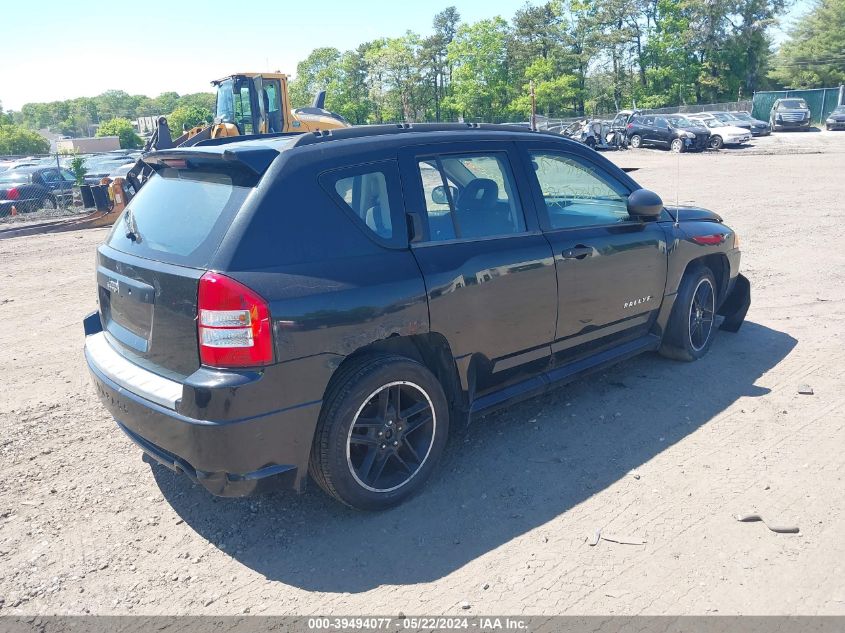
(836, 125)
(233, 457)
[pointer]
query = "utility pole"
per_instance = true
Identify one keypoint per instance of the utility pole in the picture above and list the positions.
(533, 108)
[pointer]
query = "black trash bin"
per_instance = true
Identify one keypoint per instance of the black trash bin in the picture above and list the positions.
(101, 197)
(87, 196)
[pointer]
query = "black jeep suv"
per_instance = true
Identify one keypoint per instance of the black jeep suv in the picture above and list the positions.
(672, 131)
(328, 303)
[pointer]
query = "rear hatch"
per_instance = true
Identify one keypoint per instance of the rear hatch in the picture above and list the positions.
(149, 267)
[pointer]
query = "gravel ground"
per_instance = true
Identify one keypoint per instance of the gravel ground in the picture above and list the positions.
(653, 451)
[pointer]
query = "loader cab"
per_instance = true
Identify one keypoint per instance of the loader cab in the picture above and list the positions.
(253, 103)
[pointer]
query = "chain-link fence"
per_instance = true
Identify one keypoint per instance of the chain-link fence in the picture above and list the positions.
(52, 185)
(729, 106)
(821, 101)
(558, 124)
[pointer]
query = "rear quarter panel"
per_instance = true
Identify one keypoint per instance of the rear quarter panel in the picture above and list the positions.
(331, 288)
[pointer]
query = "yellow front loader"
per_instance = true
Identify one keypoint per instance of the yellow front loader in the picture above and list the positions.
(248, 104)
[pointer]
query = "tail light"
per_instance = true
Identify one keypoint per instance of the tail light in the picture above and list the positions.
(13, 194)
(234, 324)
(630, 126)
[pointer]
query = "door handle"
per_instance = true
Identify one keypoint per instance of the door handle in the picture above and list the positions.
(578, 252)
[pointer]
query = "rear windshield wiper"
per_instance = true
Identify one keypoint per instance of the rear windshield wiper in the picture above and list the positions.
(132, 232)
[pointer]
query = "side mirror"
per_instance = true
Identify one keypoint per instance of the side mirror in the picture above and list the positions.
(439, 196)
(645, 204)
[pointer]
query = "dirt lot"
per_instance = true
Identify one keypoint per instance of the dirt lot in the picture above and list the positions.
(652, 450)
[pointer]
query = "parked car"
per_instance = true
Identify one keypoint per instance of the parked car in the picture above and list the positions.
(103, 165)
(32, 188)
(439, 272)
(758, 127)
(722, 134)
(723, 117)
(790, 113)
(671, 130)
(619, 125)
(594, 133)
(836, 119)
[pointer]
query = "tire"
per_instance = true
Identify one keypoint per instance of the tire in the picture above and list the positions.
(636, 141)
(49, 203)
(591, 142)
(354, 436)
(677, 146)
(716, 142)
(689, 333)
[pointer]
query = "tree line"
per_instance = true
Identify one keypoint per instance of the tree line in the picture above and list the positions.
(582, 57)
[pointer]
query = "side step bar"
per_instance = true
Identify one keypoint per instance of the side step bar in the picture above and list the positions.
(561, 375)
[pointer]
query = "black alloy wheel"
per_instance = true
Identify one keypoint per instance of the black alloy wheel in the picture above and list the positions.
(702, 314)
(382, 430)
(690, 331)
(391, 436)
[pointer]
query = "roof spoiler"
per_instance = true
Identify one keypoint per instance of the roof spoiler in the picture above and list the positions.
(255, 160)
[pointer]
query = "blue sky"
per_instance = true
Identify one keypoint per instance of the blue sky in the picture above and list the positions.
(152, 46)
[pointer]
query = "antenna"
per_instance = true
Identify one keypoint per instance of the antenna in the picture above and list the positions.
(677, 188)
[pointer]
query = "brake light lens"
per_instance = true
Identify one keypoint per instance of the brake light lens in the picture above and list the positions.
(13, 194)
(233, 324)
(630, 126)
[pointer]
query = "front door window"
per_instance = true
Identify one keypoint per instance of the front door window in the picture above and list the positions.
(576, 195)
(470, 196)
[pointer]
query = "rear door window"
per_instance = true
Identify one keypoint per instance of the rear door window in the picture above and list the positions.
(179, 216)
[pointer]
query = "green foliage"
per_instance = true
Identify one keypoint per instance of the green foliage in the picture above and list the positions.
(78, 117)
(16, 139)
(78, 169)
(481, 80)
(122, 128)
(186, 117)
(205, 100)
(814, 55)
(319, 71)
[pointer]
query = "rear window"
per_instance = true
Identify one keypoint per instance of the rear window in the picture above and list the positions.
(179, 217)
(10, 177)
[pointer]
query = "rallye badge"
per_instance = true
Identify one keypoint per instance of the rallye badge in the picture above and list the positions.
(636, 302)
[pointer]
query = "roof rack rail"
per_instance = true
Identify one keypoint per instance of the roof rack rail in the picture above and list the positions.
(361, 131)
(225, 140)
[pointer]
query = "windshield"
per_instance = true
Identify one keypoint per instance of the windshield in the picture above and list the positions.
(714, 123)
(793, 103)
(680, 122)
(839, 110)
